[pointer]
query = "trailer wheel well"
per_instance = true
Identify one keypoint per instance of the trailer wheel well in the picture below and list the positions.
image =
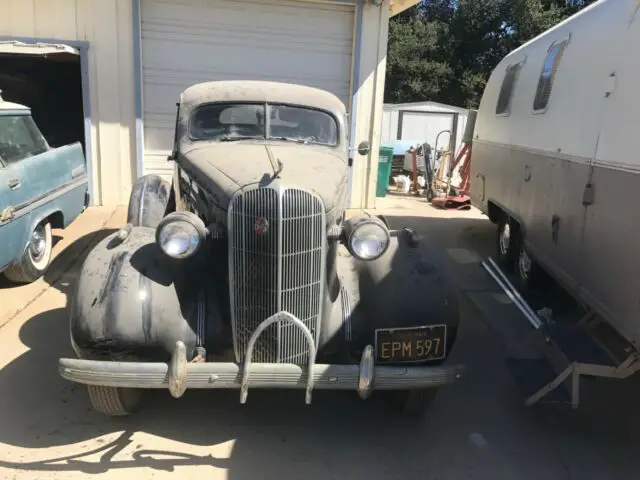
(497, 214)
(494, 212)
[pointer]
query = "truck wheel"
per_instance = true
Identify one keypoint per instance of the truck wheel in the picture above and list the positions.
(36, 257)
(412, 402)
(507, 243)
(116, 402)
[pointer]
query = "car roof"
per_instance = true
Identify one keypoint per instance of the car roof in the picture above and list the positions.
(260, 91)
(4, 105)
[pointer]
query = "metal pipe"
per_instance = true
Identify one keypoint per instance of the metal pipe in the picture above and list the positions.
(513, 289)
(533, 316)
(515, 297)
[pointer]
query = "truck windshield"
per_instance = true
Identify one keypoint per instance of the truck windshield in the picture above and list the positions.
(20, 138)
(228, 122)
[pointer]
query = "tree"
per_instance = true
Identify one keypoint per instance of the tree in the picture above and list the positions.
(445, 50)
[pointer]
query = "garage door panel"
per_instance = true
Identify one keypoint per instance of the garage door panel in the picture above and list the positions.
(240, 61)
(291, 17)
(194, 41)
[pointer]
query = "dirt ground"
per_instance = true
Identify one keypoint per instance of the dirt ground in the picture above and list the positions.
(477, 428)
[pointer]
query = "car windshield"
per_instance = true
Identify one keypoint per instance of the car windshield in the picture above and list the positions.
(241, 121)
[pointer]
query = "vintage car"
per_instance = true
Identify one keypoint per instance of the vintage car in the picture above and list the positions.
(246, 272)
(40, 188)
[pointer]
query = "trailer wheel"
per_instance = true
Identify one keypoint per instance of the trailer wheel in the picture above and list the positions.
(530, 274)
(507, 248)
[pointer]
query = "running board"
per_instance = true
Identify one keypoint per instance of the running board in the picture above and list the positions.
(564, 354)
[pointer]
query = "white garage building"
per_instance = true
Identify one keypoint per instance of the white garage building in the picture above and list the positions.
(134, 57)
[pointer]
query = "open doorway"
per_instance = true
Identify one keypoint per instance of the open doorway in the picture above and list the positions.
(50, 83)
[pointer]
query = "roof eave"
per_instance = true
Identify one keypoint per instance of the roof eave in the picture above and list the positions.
(398, 6)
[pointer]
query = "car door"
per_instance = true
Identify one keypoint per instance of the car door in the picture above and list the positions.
(17, 144)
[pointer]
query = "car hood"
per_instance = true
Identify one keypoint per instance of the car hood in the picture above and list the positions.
(227, 167)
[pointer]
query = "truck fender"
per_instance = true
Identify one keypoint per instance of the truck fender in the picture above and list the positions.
(130, 297)
(408, 286)
(148, 201)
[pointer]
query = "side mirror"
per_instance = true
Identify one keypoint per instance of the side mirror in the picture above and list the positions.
(364, 148)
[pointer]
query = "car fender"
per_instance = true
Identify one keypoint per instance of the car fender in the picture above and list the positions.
(407, 286)
(131, 297)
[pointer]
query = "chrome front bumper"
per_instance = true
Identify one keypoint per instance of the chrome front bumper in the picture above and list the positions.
(178, 375)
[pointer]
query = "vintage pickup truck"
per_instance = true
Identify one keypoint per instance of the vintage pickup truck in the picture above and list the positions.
(245, 271)
(40, 188)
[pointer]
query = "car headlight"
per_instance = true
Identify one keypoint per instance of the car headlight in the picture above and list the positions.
(367, 238)
(180, 234)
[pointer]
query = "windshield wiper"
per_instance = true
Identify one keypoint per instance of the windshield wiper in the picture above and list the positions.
(288, 139)
(240, 137)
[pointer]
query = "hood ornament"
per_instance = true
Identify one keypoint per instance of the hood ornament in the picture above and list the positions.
(261, 227)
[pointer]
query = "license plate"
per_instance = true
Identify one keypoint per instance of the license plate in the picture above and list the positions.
(411, 345)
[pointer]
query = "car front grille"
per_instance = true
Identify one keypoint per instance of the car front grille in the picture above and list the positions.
(277, 241)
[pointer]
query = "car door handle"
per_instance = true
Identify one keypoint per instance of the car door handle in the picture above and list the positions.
(14, 184)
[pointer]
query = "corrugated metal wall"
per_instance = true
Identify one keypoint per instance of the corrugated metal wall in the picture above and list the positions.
(438, 119)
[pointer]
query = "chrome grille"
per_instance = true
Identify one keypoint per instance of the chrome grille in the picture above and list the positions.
(282, 269)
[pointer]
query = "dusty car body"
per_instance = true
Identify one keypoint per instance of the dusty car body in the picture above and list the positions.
(40, 188)
(244, 272)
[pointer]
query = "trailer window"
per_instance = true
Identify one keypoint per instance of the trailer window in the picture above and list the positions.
(503, 107)
(545, 83)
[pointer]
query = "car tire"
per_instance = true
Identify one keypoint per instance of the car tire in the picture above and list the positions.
(113, 401)
(35, 258)
(507, 243)
(412, 402)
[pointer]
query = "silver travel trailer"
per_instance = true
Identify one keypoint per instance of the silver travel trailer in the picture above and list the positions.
(556, 161)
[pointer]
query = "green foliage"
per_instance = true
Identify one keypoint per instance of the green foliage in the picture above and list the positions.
(445, 50)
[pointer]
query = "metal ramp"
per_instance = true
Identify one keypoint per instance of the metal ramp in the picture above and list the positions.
(550, 358)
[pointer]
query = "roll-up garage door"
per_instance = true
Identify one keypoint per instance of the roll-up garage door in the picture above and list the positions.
(191, 41)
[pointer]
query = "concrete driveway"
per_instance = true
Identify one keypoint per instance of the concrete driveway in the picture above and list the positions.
(477, 429)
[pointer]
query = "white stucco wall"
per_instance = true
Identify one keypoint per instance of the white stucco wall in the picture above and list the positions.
(107, 26)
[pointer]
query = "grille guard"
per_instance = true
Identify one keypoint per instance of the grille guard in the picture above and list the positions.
(278, 317)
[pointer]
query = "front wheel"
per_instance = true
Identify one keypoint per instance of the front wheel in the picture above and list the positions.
(412, 402)
(36, 257)
(116, 402)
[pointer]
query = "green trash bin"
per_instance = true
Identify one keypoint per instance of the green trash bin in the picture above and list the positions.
(385, 160)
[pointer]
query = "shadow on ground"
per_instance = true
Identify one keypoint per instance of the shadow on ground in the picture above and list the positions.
(275, 435)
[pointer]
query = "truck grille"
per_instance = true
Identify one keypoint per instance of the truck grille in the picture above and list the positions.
(276, 262)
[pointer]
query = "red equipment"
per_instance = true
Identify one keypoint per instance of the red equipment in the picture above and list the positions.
(462, 201)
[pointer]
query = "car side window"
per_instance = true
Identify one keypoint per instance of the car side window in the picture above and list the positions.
(20, 138)
(549, 70)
